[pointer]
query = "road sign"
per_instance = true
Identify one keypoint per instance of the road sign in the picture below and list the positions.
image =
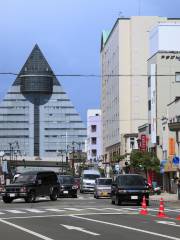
(175, 160)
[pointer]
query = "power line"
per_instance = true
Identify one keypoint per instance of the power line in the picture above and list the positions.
(99, 75)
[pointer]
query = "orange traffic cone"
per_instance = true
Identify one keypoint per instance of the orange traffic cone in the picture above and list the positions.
(144, 207)
(161, 213)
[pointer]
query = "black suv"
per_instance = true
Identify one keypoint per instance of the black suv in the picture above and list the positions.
(129, 187)
(68, 187)
(30, 185)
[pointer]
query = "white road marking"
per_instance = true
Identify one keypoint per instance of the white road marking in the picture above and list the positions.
(1, 213)
(80, 229)
(26, 230)
(127, 227)
(62, 215)
(168, 223)
(54, 210)
(34, 210)
(14, 211)
(74, 209)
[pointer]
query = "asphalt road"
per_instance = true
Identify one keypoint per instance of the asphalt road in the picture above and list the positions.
(85, 218)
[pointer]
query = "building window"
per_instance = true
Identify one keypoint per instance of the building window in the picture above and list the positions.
(132, 142)
(177, 76)
(149, 105)
(93, 140)
(93, 152)
(93, 128)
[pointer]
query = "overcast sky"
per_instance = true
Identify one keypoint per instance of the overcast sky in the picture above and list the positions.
(68, 33)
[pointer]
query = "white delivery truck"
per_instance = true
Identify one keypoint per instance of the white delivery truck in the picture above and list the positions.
(88, 178)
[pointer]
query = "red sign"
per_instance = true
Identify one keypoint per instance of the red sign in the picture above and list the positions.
(143, 144)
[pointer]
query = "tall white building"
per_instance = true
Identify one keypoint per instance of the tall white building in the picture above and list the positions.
(124, 98)
(93, 147)
(163, 89)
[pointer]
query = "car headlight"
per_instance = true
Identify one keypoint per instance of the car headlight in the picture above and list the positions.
(62, 187)
(23, 189)
(74, 187)
(145, 191)
(2, 189)
(122, 191)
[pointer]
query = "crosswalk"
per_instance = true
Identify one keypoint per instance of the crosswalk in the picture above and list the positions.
(55, 210)
(76, 210)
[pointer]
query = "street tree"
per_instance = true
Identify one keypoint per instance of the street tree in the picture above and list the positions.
(143, 160)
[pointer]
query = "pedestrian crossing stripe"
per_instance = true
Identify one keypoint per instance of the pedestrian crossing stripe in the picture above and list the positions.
(34, 210)
(65, 210)
(14, 211)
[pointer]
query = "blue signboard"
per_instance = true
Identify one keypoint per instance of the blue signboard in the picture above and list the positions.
(175, 160)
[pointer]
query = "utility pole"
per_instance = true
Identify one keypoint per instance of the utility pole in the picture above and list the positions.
(73, 158)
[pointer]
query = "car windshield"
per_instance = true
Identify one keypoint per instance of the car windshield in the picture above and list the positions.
(131, 180)
(66, 179)
(23, 178)
(91, 176)
(104, 181)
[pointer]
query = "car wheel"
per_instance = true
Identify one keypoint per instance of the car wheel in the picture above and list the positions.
(31, 197)
(112, 200)
(54, 195)
(7, 200)
(117, 201)
(74, 196)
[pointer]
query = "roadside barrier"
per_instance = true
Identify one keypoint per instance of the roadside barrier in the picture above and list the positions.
(161, 213)
(144, 210)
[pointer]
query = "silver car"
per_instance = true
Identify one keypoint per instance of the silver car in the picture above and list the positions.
(102, 187)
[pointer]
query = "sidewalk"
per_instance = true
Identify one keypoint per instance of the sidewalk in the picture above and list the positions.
(168, 197)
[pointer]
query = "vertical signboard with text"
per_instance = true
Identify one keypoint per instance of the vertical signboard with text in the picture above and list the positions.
(153, 103)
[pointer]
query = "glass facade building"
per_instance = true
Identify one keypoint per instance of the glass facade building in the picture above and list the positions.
(37, 114)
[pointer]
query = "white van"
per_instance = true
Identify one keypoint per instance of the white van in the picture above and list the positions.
(88, 180)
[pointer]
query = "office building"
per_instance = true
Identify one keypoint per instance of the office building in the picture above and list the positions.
(37, 119)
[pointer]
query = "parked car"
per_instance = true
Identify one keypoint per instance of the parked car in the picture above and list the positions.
(30, 185)
(102, 187)
(68, 187)
(88, 180)
(129, 187)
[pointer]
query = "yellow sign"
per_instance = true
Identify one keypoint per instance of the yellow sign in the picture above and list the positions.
(169, 166)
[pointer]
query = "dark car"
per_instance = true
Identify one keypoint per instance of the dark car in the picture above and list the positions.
(30, 185)
(129, 187)
(68, 188)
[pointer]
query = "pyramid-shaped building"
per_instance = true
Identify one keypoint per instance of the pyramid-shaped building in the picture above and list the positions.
(37, 115)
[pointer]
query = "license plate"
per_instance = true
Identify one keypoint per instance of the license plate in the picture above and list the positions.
(65, 192)
(134, 197)
(12, 194)
(104, 194)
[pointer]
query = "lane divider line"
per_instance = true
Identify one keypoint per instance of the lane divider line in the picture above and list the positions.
(26, 230)
(127, 227)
